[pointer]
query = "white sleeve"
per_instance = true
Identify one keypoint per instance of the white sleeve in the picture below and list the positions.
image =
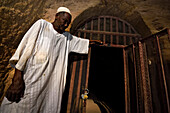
(24, 50)
(79, 45)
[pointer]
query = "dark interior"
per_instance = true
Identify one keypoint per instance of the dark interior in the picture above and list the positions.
(106, 79)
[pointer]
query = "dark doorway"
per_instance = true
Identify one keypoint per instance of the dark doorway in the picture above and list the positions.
(106, 79)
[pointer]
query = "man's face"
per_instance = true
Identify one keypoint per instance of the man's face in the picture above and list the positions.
(63, 21)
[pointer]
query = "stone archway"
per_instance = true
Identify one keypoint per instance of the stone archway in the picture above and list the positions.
(123, 10)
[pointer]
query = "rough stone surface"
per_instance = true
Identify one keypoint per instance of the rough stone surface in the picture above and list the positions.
(16, 17)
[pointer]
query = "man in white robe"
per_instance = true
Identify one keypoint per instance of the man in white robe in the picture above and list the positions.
(40, 63)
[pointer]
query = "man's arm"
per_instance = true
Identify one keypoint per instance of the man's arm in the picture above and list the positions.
(19, 60)
(95, 42)
(16, 90)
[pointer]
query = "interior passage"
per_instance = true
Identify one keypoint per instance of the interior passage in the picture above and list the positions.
(106, 79)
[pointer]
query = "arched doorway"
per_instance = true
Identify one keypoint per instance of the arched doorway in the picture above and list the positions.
(142, 62)
(115, 34)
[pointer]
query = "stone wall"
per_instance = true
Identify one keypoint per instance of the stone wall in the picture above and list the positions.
(17, 16)
(156, 14)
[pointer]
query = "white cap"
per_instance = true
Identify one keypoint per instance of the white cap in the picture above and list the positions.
(63, 9)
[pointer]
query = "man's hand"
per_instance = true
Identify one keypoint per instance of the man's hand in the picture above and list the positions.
(95, 42)
(16, 90)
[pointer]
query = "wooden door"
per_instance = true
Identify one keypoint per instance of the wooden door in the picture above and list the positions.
(147, 77)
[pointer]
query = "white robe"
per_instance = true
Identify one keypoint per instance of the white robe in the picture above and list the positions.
(43, 56)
